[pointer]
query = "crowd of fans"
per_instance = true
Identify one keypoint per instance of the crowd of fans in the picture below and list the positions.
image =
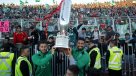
(31, 12)
(95, 37)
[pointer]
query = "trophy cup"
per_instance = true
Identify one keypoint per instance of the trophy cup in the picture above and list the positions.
(62, 40)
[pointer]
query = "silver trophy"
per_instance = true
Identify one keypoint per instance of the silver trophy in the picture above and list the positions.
(62, 39)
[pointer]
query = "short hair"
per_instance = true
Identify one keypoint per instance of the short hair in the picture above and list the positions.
(81, 39)
(126, 34)
(83, 28)
(117, 34)
(113, 42)
(18, 26)
(41, 42)
(23, 48)
(74, 69)
(109, 27)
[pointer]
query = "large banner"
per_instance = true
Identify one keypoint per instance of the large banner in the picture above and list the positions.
(4, 26)
(122, 29)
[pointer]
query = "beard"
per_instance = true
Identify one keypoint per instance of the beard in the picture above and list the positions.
(80, 48)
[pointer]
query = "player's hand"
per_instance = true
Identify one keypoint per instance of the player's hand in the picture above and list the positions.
(69, 52)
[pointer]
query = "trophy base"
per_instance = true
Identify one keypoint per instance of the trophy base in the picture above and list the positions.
(62, 41)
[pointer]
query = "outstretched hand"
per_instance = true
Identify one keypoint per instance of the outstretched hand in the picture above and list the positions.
(68, 52)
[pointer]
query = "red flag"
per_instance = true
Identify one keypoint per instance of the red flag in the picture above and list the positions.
(47, 17)
(54, 11)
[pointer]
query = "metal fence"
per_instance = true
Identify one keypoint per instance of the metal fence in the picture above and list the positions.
(60, 61)
(120, 24)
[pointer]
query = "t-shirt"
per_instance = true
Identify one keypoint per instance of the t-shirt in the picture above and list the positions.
(20, 37)
(81, 35)
(96, 35)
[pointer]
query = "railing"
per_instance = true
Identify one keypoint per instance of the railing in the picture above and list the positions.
(121, 25)
(60, 61)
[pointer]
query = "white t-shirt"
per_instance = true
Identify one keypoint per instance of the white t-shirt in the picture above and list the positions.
(96, 35)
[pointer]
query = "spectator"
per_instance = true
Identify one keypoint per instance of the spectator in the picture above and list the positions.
(87, 39)
(127, 38)
(118, 41)
(42, 35)
(34, 38)
(51, 42)
(82, 34)
(72, 71)
(20, 37)
(89, 32)
(128, 47)
(95, 34)
(42, 60)
(23, 66)
(109, 34)
(73, 35)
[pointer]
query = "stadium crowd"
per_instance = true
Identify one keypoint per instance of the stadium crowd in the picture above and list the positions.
(12, 11)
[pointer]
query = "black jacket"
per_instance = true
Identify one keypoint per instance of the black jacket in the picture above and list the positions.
(35, 34)
(24, 68)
